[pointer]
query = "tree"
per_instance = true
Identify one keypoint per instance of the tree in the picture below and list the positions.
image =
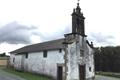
(107, 59)
(3, 55)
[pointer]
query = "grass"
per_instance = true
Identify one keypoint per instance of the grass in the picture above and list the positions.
(111, 74)
(26, 75)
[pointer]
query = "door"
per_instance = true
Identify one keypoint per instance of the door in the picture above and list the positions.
(59, 72)
(81, 72)
(22, 62)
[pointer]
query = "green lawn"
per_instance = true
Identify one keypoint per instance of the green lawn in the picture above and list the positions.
(117, 75)
(26, 75)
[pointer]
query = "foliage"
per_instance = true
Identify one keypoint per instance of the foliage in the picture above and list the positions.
(3, 55)
(107, 59)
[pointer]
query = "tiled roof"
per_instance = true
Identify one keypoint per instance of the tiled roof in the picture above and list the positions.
(49, 45)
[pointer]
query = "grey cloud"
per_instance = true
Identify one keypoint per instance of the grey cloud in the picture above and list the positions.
(47, 37)
(58, 34)
(14, 33)
(100, 38)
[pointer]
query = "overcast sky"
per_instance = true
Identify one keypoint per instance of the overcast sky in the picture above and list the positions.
(24, 22)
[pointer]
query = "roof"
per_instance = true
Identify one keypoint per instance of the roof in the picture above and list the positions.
(49, 45)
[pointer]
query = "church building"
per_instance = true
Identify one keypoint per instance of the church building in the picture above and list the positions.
(69, 58)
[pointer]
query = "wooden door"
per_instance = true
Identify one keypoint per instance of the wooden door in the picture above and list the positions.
(82, 72)
(59, 73)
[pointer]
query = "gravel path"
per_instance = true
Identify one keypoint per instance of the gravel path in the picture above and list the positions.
(105, 78)
(7, 76)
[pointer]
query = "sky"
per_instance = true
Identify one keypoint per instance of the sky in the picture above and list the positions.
(25, 22)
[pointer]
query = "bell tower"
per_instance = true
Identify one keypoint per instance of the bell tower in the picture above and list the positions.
(78, 21)
(79, 60)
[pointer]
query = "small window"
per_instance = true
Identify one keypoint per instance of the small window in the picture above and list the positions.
(26, 55)
(13, 60)
(81, 53)
(89, 68)
(60, 50)
(45, 54)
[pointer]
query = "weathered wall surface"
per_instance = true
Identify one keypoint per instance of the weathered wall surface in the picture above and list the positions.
(12, 56)
(18, 62)
(72, 65)
(90, 63)
(78, 53)
(38, 64)
(48, 65)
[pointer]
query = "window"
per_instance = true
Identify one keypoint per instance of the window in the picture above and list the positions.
(81, 53)
(13, 60)
(89, 68)
(45, 54)
(60, 50)
(26, 55)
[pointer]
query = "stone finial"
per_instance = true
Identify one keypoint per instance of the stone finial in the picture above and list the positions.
(92, 44)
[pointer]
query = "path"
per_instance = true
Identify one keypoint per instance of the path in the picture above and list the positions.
(7, 76)
(105, 78)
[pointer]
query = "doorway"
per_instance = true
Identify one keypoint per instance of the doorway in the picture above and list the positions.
(82, 72)
(59, 73)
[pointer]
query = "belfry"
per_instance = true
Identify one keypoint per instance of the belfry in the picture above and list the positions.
(78, 21)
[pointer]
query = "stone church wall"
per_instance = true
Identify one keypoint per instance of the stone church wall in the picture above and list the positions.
(75, 57)
(36, 63)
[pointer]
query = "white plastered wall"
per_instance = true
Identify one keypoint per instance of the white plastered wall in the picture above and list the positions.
(38, 64)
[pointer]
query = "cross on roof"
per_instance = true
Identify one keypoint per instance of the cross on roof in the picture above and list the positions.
(78, 1)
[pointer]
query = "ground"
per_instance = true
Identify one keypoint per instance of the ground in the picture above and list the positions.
(105, 78)
(8, 76)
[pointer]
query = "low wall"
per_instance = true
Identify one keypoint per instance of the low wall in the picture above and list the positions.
(3, 61)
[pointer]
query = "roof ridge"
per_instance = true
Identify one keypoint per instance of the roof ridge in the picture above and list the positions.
(52, 44)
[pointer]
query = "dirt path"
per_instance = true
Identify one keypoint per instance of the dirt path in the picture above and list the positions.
(105, 78)
(7, 76)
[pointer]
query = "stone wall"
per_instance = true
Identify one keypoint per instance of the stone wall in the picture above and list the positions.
(36, 63)
(78, 52)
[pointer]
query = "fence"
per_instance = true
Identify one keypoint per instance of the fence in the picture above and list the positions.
(4, 61)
